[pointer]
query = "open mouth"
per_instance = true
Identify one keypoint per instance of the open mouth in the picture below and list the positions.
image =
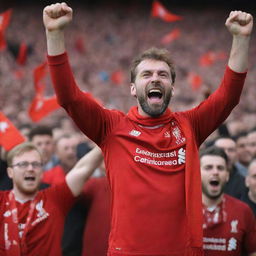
(214, 183)
(30, 178)
(155, 95)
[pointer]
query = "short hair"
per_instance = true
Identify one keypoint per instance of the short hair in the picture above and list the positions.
(214, 151)
(21, 149)
(153, 54)
(40, 130)
(240, 135)
(224, 137)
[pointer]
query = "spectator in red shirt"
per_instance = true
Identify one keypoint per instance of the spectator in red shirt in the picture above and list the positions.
(151, 154)
(32, 221)
(229, 224)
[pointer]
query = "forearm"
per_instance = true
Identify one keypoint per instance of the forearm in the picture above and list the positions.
(238, 60)
(83, 170)
(55, 42)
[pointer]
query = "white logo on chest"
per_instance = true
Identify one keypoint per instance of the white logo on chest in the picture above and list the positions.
(135, 133)
(234, 224)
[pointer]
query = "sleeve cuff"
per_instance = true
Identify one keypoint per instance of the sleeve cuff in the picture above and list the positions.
(58, 59)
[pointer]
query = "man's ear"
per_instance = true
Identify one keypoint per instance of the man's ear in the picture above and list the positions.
(133, 89)
(10, 172)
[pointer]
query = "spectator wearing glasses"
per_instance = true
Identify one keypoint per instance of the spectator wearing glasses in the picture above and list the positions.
(31, 220)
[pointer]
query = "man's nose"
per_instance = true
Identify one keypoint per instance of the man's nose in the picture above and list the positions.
(155, 77)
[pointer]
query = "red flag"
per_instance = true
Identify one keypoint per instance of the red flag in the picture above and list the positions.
(174, 34)
(195, 80)
(209, 58)
(117, 77)
(41, 107)
(9, 134)
(39, 74)
(79, 45)
(158, 10)
(22, 55)
(4, 22)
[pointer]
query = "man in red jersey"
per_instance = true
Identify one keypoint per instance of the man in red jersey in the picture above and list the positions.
(151, 154)
(32, 221)
(229, 224)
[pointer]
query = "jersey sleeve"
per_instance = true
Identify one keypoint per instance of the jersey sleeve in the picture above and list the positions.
(61, 195)
(92, 119)
(207, 116)
(250, 232)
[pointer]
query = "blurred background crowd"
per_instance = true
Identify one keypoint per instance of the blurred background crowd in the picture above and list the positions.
(103, 39)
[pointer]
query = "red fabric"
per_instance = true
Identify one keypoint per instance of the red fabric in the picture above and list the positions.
(117, 77)
(9, 134)
(46, 227)
(96, 198)
(79, 45)
(54, 176)
(146, 166)
(159, 11)
(22, 55)
(168, 38)
(4, 22)
(41, 106)
(236, 231)
(195, 80)
(40, 73)
(209, 58)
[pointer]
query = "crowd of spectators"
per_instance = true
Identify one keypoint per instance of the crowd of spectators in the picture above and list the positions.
(103, 39)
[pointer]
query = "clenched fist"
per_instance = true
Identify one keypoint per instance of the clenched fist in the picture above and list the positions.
(57, 16)
(239, 23)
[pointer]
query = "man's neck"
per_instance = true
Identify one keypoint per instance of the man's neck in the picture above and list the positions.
(21, 197)
(252, 197)
(210, 202)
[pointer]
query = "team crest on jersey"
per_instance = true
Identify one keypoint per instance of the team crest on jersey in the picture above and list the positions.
(178, 136)
(234, 224)
(135, 133)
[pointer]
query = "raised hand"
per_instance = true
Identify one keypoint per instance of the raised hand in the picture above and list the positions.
(57, 16)
(239, 23)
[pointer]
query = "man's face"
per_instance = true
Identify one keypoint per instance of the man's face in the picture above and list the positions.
(214, 175)
(252, 143)
(26, 177)
(243, 154)
(66, 150)
(251, 179)
(46, 146)
(153, 87)
(229, 146)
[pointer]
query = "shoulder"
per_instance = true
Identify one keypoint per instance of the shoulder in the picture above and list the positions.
(236, 204)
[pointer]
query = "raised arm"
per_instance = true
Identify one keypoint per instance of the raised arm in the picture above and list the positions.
(83, 170)
(56, 17)
(240, 26)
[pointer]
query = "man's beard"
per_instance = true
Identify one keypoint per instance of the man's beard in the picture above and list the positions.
(210, 196)
(150, 110)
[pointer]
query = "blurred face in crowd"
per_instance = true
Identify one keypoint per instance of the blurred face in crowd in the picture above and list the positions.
(26, 172)
(152, 87)
(66, 151)
(243, 154)
(214, 176)
(46, 146)
(229, 146)
(252, 143)
(251, 180)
